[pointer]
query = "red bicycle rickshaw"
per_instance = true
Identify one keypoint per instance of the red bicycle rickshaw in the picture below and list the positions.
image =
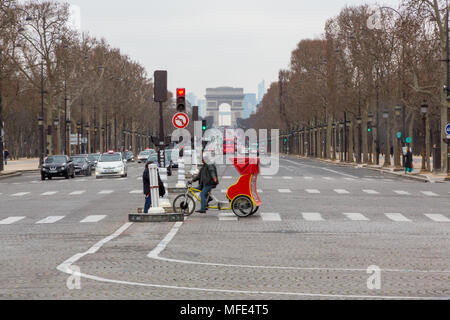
(243, 198)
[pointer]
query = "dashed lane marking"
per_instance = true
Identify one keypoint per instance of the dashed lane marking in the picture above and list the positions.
(284, 191)
(92, 219)
(51, 219)
(341, 191)
(312, 191)
(106, 192)
(49, 193)
(11, 220)
(397, 217)
(77, 193)
(371, 192)
(288, 178)
(356, 217)
(312, 216)
(136, 192)
(437, 217)
(402, 192)
(20, 194)
(430, 194)
(270, 217)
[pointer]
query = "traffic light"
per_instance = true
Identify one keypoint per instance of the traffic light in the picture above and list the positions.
(195, 113)
(204, 125)
(181, 100)
(369, 127)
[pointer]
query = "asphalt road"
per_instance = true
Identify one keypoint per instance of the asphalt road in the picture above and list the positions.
(319, 230)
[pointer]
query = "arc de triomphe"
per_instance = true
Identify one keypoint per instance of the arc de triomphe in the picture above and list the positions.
(225, 105)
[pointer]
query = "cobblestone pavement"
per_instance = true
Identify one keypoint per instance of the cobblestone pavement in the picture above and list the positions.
(319, 230)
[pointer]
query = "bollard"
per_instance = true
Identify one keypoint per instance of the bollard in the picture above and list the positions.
(164, 201)
(154, 190)
(181, 174)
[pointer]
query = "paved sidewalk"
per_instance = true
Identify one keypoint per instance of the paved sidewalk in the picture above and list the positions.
(21, 165)
(426, 177)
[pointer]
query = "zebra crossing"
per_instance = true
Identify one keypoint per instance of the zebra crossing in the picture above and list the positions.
(315, 217)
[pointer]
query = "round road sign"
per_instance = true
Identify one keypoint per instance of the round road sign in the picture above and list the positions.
(180, 120)
(408, 140)
(399, 135)
(447, 129)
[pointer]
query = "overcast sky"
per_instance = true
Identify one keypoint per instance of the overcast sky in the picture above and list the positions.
(210, 43)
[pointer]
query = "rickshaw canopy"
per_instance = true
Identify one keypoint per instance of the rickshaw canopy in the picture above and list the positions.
(246, 165)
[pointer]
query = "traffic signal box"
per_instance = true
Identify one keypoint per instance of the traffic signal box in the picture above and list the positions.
(181, 100)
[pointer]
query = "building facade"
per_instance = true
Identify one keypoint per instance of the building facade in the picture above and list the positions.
(225, 105)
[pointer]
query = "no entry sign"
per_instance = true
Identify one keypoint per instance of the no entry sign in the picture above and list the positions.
(180, 120)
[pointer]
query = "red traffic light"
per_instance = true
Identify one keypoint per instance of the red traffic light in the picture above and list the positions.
(181, 92)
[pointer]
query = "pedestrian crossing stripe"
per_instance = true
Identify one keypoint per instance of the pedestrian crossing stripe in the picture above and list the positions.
(11, 220)
(371, 192)
(77, 193)
(313, 191)
(288, 178)
(51, 219)
(270, 217)
(20, 194)
(94, 218)
(398, 217)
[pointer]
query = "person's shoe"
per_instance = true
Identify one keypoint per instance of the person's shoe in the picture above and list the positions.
(201, 211)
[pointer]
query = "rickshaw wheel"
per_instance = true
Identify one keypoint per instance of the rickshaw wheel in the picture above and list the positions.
(242, 206)
(254, 211)
(184, 204)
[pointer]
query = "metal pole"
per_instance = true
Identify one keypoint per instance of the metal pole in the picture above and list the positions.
(1, 118)
(43, 142)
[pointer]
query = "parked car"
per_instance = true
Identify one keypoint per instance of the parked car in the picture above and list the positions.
(111, 164)
(57, 166)
(93, 159)
(82, 165)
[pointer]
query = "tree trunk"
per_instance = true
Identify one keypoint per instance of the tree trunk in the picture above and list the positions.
(427, 144)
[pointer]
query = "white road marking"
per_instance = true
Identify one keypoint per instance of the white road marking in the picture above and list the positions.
(288, 178)
(91, 219)
(341, 191)
(20, 194)
(11, 220)
(77, 193)
(227, 217)
(51, 219)
(106, 192)
(398, 217)
(227, 177)
(328, 178)
(402, 193)
(284, 191)
(80, 180)
(270, 216)
(260, 191)
(371, 192)
(49, 193)
(139, 178)
(308, 178)
(136, 192)
(312, 191)
(312, 216)
(224, 191)
(267, 177)
(65, 267)
(437, 217)
(356, 217)
(430, 194)
(350, 179)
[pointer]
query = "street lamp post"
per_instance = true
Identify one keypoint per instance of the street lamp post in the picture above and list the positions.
(371, 151)
(359, 121)
(387, 156)
(78, 137)
(424, 111)
(41, 129)
(397, 162)
(333, 142)
(341, 141)
(56, 125)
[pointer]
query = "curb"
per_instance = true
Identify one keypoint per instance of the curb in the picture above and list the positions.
(16, 173)
(365, 166)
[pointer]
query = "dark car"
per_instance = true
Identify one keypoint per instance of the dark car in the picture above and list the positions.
(57, 166)
(82, 165)
(93, 159)
(128, 155)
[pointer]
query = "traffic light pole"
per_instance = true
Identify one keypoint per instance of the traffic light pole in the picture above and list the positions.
(162, 155)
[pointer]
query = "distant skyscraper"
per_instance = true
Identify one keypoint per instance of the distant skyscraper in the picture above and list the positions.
(249, 104)
(192, 98)
(261, 90)
(201, 107)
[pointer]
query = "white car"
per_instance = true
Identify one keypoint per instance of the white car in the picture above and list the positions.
(144, 155)
(111, 164)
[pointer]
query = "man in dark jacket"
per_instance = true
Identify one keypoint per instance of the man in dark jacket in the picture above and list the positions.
(409, 161)
(208, 180)
(147, 191)
(5, 156)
